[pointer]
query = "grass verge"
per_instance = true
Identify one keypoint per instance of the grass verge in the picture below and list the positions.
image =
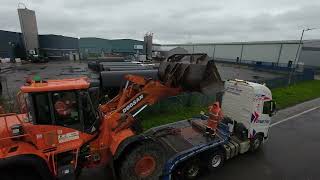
(295, 94)
(285, 97)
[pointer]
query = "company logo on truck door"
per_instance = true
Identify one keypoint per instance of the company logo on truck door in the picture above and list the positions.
(254, 117)
(133, 103)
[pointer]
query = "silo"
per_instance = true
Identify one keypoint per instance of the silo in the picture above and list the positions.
(29, 29)
(148, 45)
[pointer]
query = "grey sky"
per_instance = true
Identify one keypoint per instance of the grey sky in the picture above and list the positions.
(171, 21)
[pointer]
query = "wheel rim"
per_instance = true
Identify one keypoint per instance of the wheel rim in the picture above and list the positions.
(216, 160)
(145, 166)
(256, 144)
(193, 171)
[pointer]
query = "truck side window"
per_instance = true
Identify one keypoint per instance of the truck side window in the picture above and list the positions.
(66, 112)
(267, 107)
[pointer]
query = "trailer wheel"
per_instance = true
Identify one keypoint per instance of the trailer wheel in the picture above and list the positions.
(256, 143)
(144, 162)
(216, 160)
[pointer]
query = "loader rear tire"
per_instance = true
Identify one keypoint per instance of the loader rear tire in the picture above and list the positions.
(144, 162)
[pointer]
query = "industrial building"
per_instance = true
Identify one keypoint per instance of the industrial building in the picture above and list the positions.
(97, 47)
(29, 43)
(59, 47)
(52, 46)
(11, 45)
(279, 53)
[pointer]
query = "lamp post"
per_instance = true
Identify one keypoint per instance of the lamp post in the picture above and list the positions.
(296, 59)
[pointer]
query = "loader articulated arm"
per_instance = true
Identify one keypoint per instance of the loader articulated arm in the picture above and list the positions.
(195, 74)
(137, 94)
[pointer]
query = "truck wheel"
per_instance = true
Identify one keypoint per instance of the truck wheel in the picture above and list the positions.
(216, 160)
(191, 170)
(256, 143)
(144, 162)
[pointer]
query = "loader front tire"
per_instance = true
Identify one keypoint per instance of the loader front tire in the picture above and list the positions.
(18, 173)
(144, 162)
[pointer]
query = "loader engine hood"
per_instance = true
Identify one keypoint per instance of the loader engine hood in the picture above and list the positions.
(191, 72)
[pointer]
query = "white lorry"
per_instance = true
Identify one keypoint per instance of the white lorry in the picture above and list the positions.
(247, 109)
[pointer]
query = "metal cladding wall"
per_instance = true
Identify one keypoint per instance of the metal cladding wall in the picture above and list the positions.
(29, 28)
(97, 46)
(288, 53)
(59, 47)
(227, 52)
(310, 54)
(278, 52)
(58, 42)
(7, 40)
(124, 45)
(94, 45)
(261, 52)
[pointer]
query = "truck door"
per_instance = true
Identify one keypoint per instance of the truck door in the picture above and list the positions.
(262, 123)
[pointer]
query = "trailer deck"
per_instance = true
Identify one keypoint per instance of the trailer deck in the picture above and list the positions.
(186, 139)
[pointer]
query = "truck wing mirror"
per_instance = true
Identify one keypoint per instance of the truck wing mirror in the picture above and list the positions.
(273, 108)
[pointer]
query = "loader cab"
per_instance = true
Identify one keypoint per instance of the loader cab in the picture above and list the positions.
(64, 103)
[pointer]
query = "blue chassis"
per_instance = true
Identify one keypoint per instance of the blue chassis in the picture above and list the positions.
(224, 136)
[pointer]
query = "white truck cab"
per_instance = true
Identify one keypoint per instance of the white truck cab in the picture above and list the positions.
(250, 106)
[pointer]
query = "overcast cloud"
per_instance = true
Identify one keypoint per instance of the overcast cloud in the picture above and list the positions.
(171, 21)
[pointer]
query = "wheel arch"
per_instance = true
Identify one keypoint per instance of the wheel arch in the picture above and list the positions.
(261, 134)
(128, 144)
(30, 161)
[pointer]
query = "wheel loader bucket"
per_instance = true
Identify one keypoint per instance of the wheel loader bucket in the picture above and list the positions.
(191, 72)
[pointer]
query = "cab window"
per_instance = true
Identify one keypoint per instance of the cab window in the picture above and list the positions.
(65, 105)
(42, 109)
(267, 107)
(89, 115)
